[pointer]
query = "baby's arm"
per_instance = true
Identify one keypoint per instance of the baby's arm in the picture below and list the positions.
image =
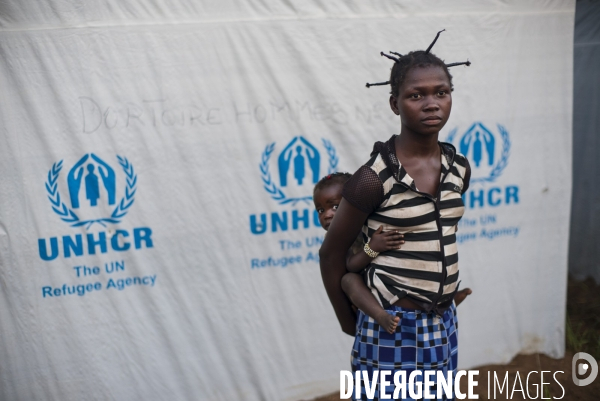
(380, 242)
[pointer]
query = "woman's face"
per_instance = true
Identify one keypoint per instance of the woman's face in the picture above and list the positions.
(424, 100)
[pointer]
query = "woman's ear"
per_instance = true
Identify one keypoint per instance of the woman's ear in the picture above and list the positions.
(394, 105)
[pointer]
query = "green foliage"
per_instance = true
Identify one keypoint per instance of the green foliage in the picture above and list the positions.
(583, 319)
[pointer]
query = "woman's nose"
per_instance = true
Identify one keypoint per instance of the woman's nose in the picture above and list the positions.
(431, 105)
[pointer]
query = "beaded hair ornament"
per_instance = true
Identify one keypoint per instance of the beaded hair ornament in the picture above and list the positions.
(397, 59)
(333, 178)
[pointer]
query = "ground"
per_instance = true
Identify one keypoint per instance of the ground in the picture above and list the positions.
(582, 334)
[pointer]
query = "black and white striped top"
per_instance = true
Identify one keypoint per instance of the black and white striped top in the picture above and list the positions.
(425, 268)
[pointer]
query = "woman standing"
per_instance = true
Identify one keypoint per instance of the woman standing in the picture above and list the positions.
(411, 184)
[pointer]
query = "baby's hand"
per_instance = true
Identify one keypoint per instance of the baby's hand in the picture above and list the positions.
(385, 241)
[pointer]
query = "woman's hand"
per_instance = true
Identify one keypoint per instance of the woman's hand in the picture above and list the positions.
(385, 241)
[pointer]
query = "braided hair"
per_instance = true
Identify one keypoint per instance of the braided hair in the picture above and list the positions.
(419, 58)
(331, 179)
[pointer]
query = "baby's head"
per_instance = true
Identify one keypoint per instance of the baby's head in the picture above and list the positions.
(327, 196)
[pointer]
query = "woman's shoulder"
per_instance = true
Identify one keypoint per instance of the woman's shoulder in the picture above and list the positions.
(383, 156)
(460, 162)
(450, 151)
(364, 190)
(376, 163)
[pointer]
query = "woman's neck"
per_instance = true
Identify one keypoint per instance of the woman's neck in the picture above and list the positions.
(411, 144)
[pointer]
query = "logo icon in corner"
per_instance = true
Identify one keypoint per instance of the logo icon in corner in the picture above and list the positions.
(582, 368)
(299, 168)
(487, 151)
(92, 187)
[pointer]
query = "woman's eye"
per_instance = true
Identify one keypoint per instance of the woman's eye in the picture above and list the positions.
(415, 96)
(442, 93)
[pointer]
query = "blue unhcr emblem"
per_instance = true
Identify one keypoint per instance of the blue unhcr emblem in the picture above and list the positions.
(487, 152)
(79, 181)
(299, 165)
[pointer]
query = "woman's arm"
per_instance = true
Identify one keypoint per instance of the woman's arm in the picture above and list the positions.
(342, 232)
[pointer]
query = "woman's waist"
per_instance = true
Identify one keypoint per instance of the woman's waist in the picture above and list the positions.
(439, 305)
(433, 266)
(406, 303)
(414, 288)
(417, 235)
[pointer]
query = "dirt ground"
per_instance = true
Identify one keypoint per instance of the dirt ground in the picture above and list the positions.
(582, 334)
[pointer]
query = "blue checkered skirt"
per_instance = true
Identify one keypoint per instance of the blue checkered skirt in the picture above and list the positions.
(422, 341)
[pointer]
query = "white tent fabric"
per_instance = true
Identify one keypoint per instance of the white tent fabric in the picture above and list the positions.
(157, 239)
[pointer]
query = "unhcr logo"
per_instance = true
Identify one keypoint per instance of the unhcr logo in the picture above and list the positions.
(488, 152)
(77, 178)
(299, 169)
(289, 177)
(92, 184)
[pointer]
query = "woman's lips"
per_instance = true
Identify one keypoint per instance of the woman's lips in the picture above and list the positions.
(431, 120)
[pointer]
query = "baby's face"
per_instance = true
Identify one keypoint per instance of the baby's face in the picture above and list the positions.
(327, 201)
